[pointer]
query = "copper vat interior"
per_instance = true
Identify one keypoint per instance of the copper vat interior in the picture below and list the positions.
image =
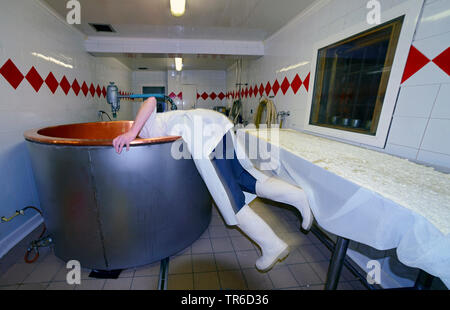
(99, 133)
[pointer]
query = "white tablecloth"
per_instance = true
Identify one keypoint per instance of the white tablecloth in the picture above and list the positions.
(369, 197)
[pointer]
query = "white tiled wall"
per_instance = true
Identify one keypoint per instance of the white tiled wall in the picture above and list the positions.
(206, 81)
(147, 78)
(421, 124)
(26, 27)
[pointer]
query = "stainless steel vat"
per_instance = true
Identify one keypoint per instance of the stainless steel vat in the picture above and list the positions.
(112, 211)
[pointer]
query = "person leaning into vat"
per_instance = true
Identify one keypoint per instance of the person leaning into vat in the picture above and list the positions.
(225, 178)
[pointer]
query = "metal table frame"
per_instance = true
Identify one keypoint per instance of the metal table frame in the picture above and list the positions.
(338, 260)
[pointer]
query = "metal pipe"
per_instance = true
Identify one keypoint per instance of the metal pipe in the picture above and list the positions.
(337, 261)
(424, 281)
(330, 245)
(163, 274)
(113, 98)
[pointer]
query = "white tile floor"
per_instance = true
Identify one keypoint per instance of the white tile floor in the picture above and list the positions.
(221, 259)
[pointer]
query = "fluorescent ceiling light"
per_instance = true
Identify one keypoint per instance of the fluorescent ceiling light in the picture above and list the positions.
(53, 60)
(293, 67)
(179, 64)
(177, 7)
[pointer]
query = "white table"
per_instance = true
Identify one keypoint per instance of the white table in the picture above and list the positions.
(370, 197)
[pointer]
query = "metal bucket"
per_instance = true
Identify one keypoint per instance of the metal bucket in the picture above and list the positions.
(112, 211)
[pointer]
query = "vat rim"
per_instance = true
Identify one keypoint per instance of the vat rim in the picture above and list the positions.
(33, 135)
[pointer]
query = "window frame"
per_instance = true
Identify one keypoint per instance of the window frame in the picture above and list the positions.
(411, 11)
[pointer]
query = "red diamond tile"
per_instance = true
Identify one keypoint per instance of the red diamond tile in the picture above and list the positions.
(205, 96)
(296, 84)
(285, 85)
(255, 90)
(246, 92)
(416, 61)
(51, 82)
(92, 90)
(84, 89)
(172, 95)
(443, 61)
(104, 92)
(76, 87)
(261, 89)
(34, 79)
(268, 88)
(99, 91)
(275, 87)
(221, 96)
(306, 81)
(198, 96)
(11, 74)
(250, 92)
(213, 95)
(65, 85)
(180, 95)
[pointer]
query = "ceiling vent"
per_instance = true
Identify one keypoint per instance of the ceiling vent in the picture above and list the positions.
(143, 68)
(102, 27)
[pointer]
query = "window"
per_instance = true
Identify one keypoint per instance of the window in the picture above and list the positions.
(161, 102)
(351, 79)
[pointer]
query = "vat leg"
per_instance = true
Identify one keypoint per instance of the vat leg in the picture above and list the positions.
(424, 281)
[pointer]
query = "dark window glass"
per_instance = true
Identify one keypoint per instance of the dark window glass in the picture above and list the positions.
(352, 77)
(161, 105)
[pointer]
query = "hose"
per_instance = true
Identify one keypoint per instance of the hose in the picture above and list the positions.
(271, 115)
(173, 106)
(101, 112)
(235, 111)
(34, 243)
(36, 256)
(236, 108)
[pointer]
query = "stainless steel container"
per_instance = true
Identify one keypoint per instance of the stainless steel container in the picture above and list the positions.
(355, 123)
(345, 122)
(112, 211)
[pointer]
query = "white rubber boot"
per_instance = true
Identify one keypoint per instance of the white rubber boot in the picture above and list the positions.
(273, 248)
(281, 191)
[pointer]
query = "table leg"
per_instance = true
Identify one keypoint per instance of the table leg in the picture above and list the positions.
(337, 261)
(163, 274)
(424, 281)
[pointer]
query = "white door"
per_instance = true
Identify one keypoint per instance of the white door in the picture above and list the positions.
(189, 96)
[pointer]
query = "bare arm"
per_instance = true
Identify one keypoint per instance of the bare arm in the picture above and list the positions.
(142, 116)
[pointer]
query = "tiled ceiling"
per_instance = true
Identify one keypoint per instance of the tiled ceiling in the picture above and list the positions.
(253, 20)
